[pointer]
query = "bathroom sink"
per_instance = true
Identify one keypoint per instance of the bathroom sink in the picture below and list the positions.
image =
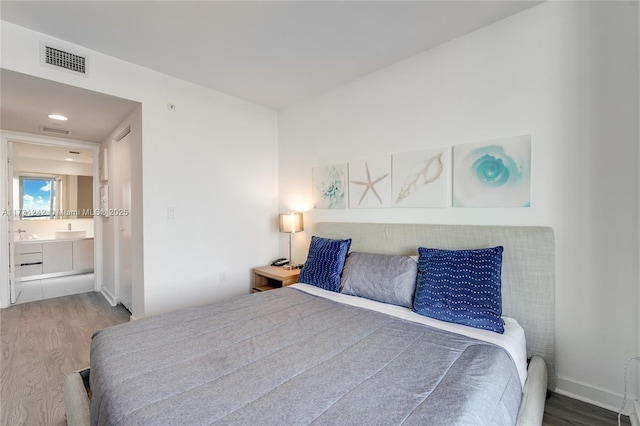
(67, 234)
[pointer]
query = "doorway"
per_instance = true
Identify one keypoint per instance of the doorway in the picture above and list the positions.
(93, 118)
(52, 228)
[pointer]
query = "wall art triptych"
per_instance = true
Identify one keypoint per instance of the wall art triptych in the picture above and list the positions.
(493, 173)
(330, 186)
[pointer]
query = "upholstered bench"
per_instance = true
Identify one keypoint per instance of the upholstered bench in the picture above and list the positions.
(76, 398)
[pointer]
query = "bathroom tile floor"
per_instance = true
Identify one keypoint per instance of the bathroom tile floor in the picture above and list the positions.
(55, 287)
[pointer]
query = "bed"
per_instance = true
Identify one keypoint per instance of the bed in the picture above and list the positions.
(306, 354)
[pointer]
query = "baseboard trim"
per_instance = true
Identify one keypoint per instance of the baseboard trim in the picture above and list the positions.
(110, 297)
(595, 396)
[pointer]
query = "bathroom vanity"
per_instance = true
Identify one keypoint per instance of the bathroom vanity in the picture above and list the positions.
(36, 259)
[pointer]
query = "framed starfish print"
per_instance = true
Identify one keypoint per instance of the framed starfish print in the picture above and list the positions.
(370, 183)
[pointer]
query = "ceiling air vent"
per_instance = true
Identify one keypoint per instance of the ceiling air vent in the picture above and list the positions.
(63, 59)
(54, 130)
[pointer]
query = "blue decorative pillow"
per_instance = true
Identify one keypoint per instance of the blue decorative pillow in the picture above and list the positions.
(461, 286)
(324, 263)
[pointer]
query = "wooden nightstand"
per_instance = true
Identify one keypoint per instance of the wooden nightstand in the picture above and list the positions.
(270, 277)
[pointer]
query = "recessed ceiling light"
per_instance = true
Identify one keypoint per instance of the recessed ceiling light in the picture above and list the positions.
(58, 117)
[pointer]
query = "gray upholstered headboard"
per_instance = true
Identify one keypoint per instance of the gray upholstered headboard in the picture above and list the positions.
(528, 266)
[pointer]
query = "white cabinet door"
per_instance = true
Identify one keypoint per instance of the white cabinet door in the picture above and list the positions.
(82, 255)
(29, 270)
(28, 259)
(23, 248)
(57, 256)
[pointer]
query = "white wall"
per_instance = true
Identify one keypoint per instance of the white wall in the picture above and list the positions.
(567, 74)
(213, 159)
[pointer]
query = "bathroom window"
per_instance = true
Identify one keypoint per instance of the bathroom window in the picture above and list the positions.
(37, 197)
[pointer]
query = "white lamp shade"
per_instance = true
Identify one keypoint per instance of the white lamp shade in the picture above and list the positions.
(291, 222)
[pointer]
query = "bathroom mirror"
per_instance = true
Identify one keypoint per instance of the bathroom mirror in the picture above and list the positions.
(52, 182)
(42, 196)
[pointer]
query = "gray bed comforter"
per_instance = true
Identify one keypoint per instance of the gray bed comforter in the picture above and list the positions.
(285, 357)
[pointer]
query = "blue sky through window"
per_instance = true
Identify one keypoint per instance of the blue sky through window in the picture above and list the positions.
(36, 196)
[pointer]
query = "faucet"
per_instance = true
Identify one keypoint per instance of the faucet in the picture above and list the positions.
(69, 226)
(20, 232)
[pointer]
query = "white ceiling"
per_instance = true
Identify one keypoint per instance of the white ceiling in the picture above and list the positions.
(271, 53)
(27, 101)
(49, 152)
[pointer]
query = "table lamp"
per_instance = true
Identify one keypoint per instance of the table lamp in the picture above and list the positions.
(290, 223)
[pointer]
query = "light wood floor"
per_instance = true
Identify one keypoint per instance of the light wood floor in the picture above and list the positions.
(40, 343)
(561, 410)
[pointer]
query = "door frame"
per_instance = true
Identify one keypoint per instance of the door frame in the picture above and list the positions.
(14, 279)
(6, 225)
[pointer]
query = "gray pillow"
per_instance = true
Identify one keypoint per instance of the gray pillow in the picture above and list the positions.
(381, 277)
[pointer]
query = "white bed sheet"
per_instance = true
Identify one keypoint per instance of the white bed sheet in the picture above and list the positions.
(513, 340)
